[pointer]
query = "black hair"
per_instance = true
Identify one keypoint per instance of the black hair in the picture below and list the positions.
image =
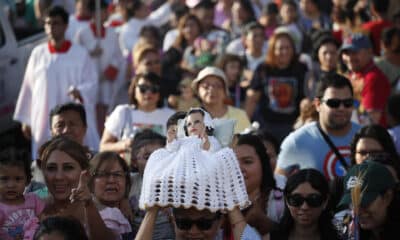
(14, 157)
(179, 10)
(247, 6)
(321, 37)
(265, 135)
(332, 80)
(388, 35)
(152, 29)
(70, 228)
(251, 26)
(133, 6)
(393, 107)
(268, 181)
(317, 181)
(209, 130)
(103, 157)
(151, 77)
(270, 8)
(173, 119)
(380, 6)
(205, 4)
(57, 11)
(92, 5)
(145, 137)
(379, 134)
(61, 108)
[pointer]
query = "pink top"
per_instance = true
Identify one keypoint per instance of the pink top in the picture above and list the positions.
(116, 221)
(13, 217)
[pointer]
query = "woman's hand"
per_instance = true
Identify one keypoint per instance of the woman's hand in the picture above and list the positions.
(82, 192)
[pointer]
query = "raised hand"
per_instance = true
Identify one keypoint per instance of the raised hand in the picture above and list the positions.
(81, 193)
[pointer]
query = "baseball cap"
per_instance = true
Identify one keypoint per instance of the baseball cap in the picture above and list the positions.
(210, 71)
(374, 179)
(355, 42)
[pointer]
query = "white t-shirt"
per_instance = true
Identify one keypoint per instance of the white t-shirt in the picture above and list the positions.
(156, 120)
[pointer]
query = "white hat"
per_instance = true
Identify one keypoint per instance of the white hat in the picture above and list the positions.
(210, 71)
(193, 177)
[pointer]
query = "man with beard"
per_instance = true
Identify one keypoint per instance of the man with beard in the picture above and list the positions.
(308, 146)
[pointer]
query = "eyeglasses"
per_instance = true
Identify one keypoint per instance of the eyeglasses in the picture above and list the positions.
(335, 103)
(106, 175)
(146, 88)
(203, 224)
(207, 85)
(313, 200)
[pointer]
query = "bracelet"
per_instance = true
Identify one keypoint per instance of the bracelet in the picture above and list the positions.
(237, 222)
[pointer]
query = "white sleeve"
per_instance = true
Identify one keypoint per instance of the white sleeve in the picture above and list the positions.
(23, 106)
(88, 83)
(115, 122)
(160, 16)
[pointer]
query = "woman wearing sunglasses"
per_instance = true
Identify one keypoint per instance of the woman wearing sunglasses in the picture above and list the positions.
(144, 111)
(306, 215)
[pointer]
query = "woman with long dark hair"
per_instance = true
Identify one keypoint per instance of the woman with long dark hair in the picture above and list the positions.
(267, 200)
(306, 214)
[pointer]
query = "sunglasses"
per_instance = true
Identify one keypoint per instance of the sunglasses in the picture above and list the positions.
(312, 200)
(203, 224)
(148, 88)
(335, 103)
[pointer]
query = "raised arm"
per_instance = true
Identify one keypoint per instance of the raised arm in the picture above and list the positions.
(146, 228)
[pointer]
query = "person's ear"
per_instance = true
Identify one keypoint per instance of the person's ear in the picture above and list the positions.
(317, 103)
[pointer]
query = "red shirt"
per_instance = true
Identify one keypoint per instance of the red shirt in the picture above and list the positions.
(375, 29)
(372, 89)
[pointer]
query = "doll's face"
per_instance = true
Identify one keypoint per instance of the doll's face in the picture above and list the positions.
(195, 124)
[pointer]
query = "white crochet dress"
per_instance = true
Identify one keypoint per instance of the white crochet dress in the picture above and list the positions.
(188, 176)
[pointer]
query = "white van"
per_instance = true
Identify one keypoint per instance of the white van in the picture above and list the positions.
(14, 54)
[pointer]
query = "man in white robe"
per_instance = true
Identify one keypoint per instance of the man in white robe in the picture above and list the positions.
(57, 72)
(78, 20)
(104, 49)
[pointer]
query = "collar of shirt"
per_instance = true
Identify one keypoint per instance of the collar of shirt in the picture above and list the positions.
(94, 30)
(65, 46)
(83, 18)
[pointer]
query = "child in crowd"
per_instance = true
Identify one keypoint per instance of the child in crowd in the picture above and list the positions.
(16, 208)
(144, 144)
(60, 228)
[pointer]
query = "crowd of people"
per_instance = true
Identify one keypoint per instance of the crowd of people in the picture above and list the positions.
(203, 119)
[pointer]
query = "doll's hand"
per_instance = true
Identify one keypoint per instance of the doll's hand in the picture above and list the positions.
(82, 192)
(205, 141)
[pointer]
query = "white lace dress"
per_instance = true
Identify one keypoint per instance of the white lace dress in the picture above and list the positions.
(185, 175)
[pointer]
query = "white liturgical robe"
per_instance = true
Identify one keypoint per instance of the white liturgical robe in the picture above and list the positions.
(48, 78)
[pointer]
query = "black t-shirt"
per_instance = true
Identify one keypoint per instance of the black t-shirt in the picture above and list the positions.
(281, 91)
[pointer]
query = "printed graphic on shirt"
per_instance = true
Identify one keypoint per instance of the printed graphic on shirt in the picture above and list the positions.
(282, 93)
(332, 165)
(13, 224)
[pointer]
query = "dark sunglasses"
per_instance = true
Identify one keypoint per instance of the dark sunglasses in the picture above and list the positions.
(203, 224)
(312, 200)
(145, 88)
(335, 103)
